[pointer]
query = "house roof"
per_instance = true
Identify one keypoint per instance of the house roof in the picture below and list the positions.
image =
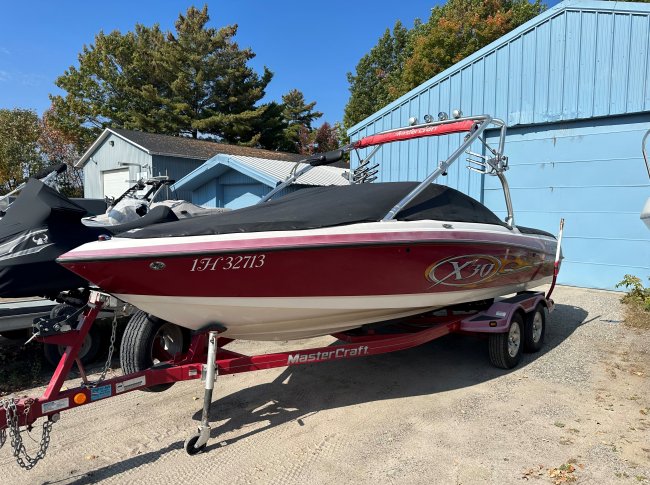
(177, 146)
(267, 171)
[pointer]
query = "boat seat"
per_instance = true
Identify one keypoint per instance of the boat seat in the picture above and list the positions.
(157, 215)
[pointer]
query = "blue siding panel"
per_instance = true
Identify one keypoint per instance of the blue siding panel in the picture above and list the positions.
(478, 88)
(592, 174)
(232, 177)
(556, 72)
(620, 62)
(587, 78)
(528, 79)
(542, 70)
(636, 72)
(513, 108)
(206, 195)
(175, 168)
(604, 37)
(571, 67)
(489, 83)
(502, 78)
(647, 73)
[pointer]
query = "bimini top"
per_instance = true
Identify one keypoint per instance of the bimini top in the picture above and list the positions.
(331, 206)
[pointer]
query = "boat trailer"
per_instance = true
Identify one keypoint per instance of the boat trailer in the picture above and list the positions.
(511, 325)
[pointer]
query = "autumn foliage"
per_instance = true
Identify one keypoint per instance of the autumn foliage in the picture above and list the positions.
(404, 59)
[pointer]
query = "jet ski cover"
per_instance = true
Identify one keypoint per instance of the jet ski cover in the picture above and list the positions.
(38, 227)
(331, 206)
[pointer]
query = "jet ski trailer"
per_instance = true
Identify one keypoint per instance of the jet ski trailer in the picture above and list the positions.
(511, 325)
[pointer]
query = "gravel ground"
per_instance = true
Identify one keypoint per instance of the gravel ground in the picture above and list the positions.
(438, 413)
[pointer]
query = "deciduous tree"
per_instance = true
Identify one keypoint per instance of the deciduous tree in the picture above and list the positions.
(457, 29)
(322, 139)
(406, 58)
(375, 73)
(56, 147)
(19, 149)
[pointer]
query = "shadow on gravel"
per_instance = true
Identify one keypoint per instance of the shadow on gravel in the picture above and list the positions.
(108, 471)
(451, 362)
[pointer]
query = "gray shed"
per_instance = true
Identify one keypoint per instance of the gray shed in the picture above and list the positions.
(119, 157)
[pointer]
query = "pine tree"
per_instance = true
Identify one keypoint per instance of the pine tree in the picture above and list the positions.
(195, 79)
(298, 116)
(297, 111)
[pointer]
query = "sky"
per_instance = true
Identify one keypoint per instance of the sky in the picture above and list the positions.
(307, 45)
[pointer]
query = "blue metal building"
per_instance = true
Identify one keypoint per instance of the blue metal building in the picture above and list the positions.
(236, 181)
(573, 86)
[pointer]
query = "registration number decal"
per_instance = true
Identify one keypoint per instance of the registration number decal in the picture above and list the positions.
(227, 263)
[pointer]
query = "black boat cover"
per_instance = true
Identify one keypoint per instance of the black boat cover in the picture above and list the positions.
(331, 206)
(39, 226)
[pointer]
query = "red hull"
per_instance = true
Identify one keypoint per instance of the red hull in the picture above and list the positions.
(389, 269)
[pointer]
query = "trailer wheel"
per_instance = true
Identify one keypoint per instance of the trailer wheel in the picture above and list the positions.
(190, 449)
(505, 348)
(147, 342)
(535, 329)
(89, 347)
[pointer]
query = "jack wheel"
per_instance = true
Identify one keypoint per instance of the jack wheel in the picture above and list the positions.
(506, 348)
(148, 342)
(535, 329)
(190, 449)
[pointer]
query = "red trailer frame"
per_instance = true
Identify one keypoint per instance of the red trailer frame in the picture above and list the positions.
(195, 363)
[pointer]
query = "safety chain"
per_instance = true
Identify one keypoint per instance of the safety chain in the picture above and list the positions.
(107, 365)
(20, 452)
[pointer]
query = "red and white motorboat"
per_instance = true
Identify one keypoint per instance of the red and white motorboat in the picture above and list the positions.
(328, 259)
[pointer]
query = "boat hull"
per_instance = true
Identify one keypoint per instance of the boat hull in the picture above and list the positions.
(312, 284)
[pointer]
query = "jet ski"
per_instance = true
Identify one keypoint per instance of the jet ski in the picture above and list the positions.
(41, 224)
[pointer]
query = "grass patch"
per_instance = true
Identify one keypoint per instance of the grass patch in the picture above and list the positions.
(637, 302)
(636, 315)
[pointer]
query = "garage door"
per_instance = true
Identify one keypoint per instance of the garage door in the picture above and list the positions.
(592, 174)
(115, 182)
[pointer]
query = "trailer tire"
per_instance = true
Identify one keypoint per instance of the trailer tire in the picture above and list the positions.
(535, 329)
(137, 349)
(505, 348)
(90, 347)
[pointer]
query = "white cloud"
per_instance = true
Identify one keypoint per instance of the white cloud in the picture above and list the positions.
(4, 76)
(31, 80)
